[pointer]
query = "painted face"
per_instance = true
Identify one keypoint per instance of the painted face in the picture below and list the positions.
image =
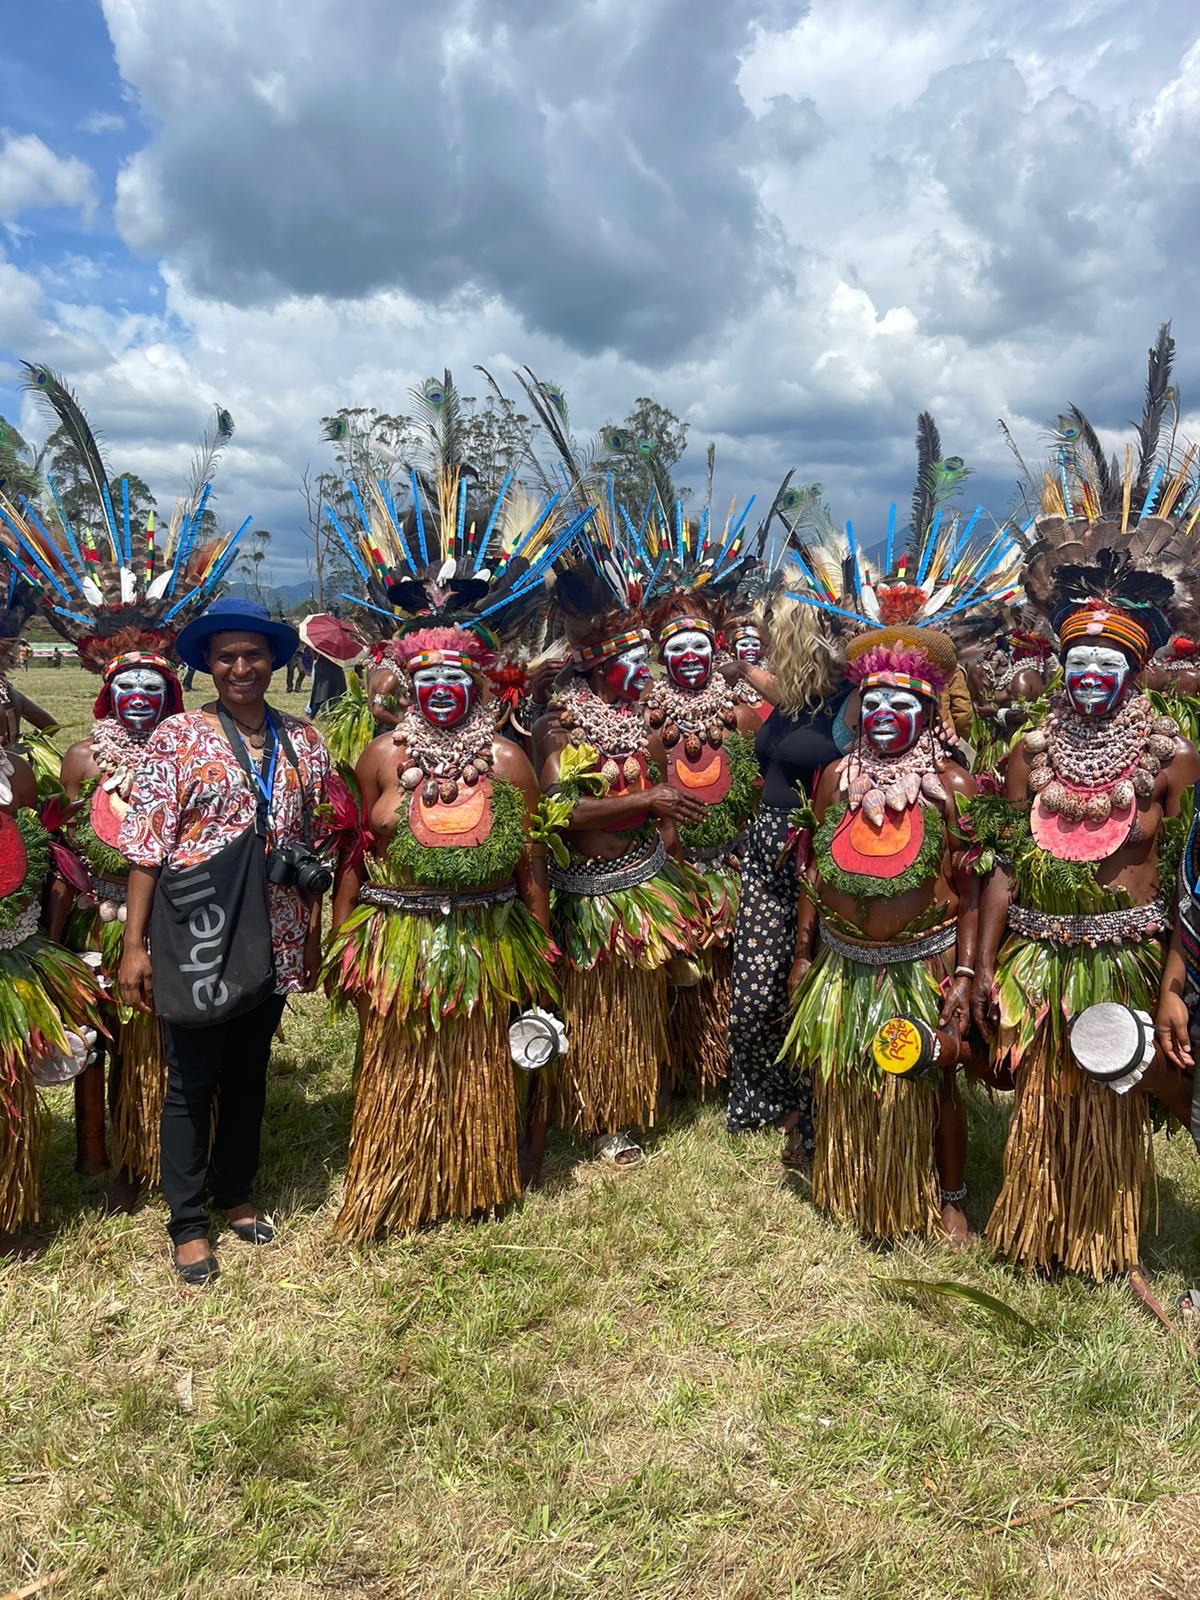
(139, 698)
(628, 674)
(1096, 677)
(444, 694)
(893, 719)
(688, 657)
(748, 647)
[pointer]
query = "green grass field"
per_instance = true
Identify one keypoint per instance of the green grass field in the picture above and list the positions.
(676, 1382)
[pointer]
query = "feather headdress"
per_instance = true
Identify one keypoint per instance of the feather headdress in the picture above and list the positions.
(430, 554)
(946, 566)
(1120, 536)
(112, 589)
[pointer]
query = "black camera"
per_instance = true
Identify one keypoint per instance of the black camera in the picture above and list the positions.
(296, 866)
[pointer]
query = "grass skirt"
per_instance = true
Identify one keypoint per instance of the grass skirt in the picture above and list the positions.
(698, 1027)
(874, 1162)
(616, 948)
(138, 1080)
(434, 1131)
(1078, 1158)
(44, 991)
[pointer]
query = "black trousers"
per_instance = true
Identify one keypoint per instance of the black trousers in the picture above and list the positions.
(231, 1058)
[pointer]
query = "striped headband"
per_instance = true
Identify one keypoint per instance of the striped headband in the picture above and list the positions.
(1118, 627)
(443, 658)
(747, 630)
(899, 680)
(685, 625)
(138, 658)
(588, 656)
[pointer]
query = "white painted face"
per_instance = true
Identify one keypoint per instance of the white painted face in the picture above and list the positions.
(748, 647)
(139, 697)
(893, 719)
(1096, 676)
(444, 694)
(688, 657)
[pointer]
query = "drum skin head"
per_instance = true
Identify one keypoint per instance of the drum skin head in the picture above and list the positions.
(1107, 1041)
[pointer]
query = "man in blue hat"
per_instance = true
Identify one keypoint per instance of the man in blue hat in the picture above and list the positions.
(224, 913)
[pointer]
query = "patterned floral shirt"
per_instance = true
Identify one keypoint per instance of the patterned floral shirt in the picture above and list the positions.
(191, 798)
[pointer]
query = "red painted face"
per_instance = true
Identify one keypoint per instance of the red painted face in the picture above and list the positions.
(688, 657)
(892, 719)
(627, 675)
(444, 694)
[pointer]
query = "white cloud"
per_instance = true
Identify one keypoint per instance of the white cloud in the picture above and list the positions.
(33, 178)
(100, 122)
(797, 225)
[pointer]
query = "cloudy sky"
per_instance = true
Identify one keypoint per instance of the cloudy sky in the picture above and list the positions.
(796, 225)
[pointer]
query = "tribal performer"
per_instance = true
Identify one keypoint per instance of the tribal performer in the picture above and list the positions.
(49, 1001)
(622, 907)
(441, 915)
(121, 604)
(1083, 854)
(708, 738)
(894, 903)
(19, 605)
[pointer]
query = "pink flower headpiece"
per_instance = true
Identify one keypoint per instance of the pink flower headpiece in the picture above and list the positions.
(902, 665)
(457, 647)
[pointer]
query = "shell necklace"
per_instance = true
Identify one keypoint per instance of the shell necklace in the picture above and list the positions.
(439, 759)
(118, 753)
(880, 783)
(1084, 767)
(616, 729)
(699, 714)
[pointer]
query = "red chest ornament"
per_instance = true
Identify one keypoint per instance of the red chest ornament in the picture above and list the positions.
(464, 821)
(1068, 839)
(705, 777)
(878, 850)
(13, 861)
(107, 813)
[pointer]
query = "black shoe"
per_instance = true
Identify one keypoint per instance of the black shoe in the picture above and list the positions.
(259, 1230)
(197, 1273)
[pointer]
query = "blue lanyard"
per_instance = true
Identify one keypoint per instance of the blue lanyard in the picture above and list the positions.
(267, 788)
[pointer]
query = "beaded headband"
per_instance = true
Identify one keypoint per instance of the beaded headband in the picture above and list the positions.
(899, 680)
(685, 625)
(588, 656)
(1095, 624)
(139, 658)
(747, 630)
(443, 658)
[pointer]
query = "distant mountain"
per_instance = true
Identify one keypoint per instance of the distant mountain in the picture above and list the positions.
(284, 596)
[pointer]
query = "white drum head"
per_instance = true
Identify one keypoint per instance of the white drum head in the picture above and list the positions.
(1107, 1041)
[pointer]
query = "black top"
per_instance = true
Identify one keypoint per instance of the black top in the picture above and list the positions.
(795, 750)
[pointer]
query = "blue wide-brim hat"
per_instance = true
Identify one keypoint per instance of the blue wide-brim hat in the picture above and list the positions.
(229, 616)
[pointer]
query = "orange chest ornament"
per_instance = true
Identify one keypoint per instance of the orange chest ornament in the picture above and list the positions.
(878, 850)
(463, 822)
(706, 777)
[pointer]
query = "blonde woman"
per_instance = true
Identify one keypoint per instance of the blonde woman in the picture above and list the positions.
(793, 745)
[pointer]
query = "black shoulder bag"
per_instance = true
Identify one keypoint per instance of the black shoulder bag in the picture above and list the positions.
(210, 927)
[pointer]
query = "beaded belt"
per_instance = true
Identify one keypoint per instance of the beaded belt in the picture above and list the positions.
(887, 955)
(106, 889)
(1127, 926)
(25, 923)
(715, 852)
(372, 894)
(597, 876)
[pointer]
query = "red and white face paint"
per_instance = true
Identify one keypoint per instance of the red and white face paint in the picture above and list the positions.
(444, 694)
(1096, 677)
(893, 719)
(627, 675)
(748, 647)
(139, 698)
(688, 657)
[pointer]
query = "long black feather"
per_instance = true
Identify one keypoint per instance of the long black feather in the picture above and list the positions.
(1159, 394)
(1107, 486)
(551, 420)
(929, 453)
(51, 388)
